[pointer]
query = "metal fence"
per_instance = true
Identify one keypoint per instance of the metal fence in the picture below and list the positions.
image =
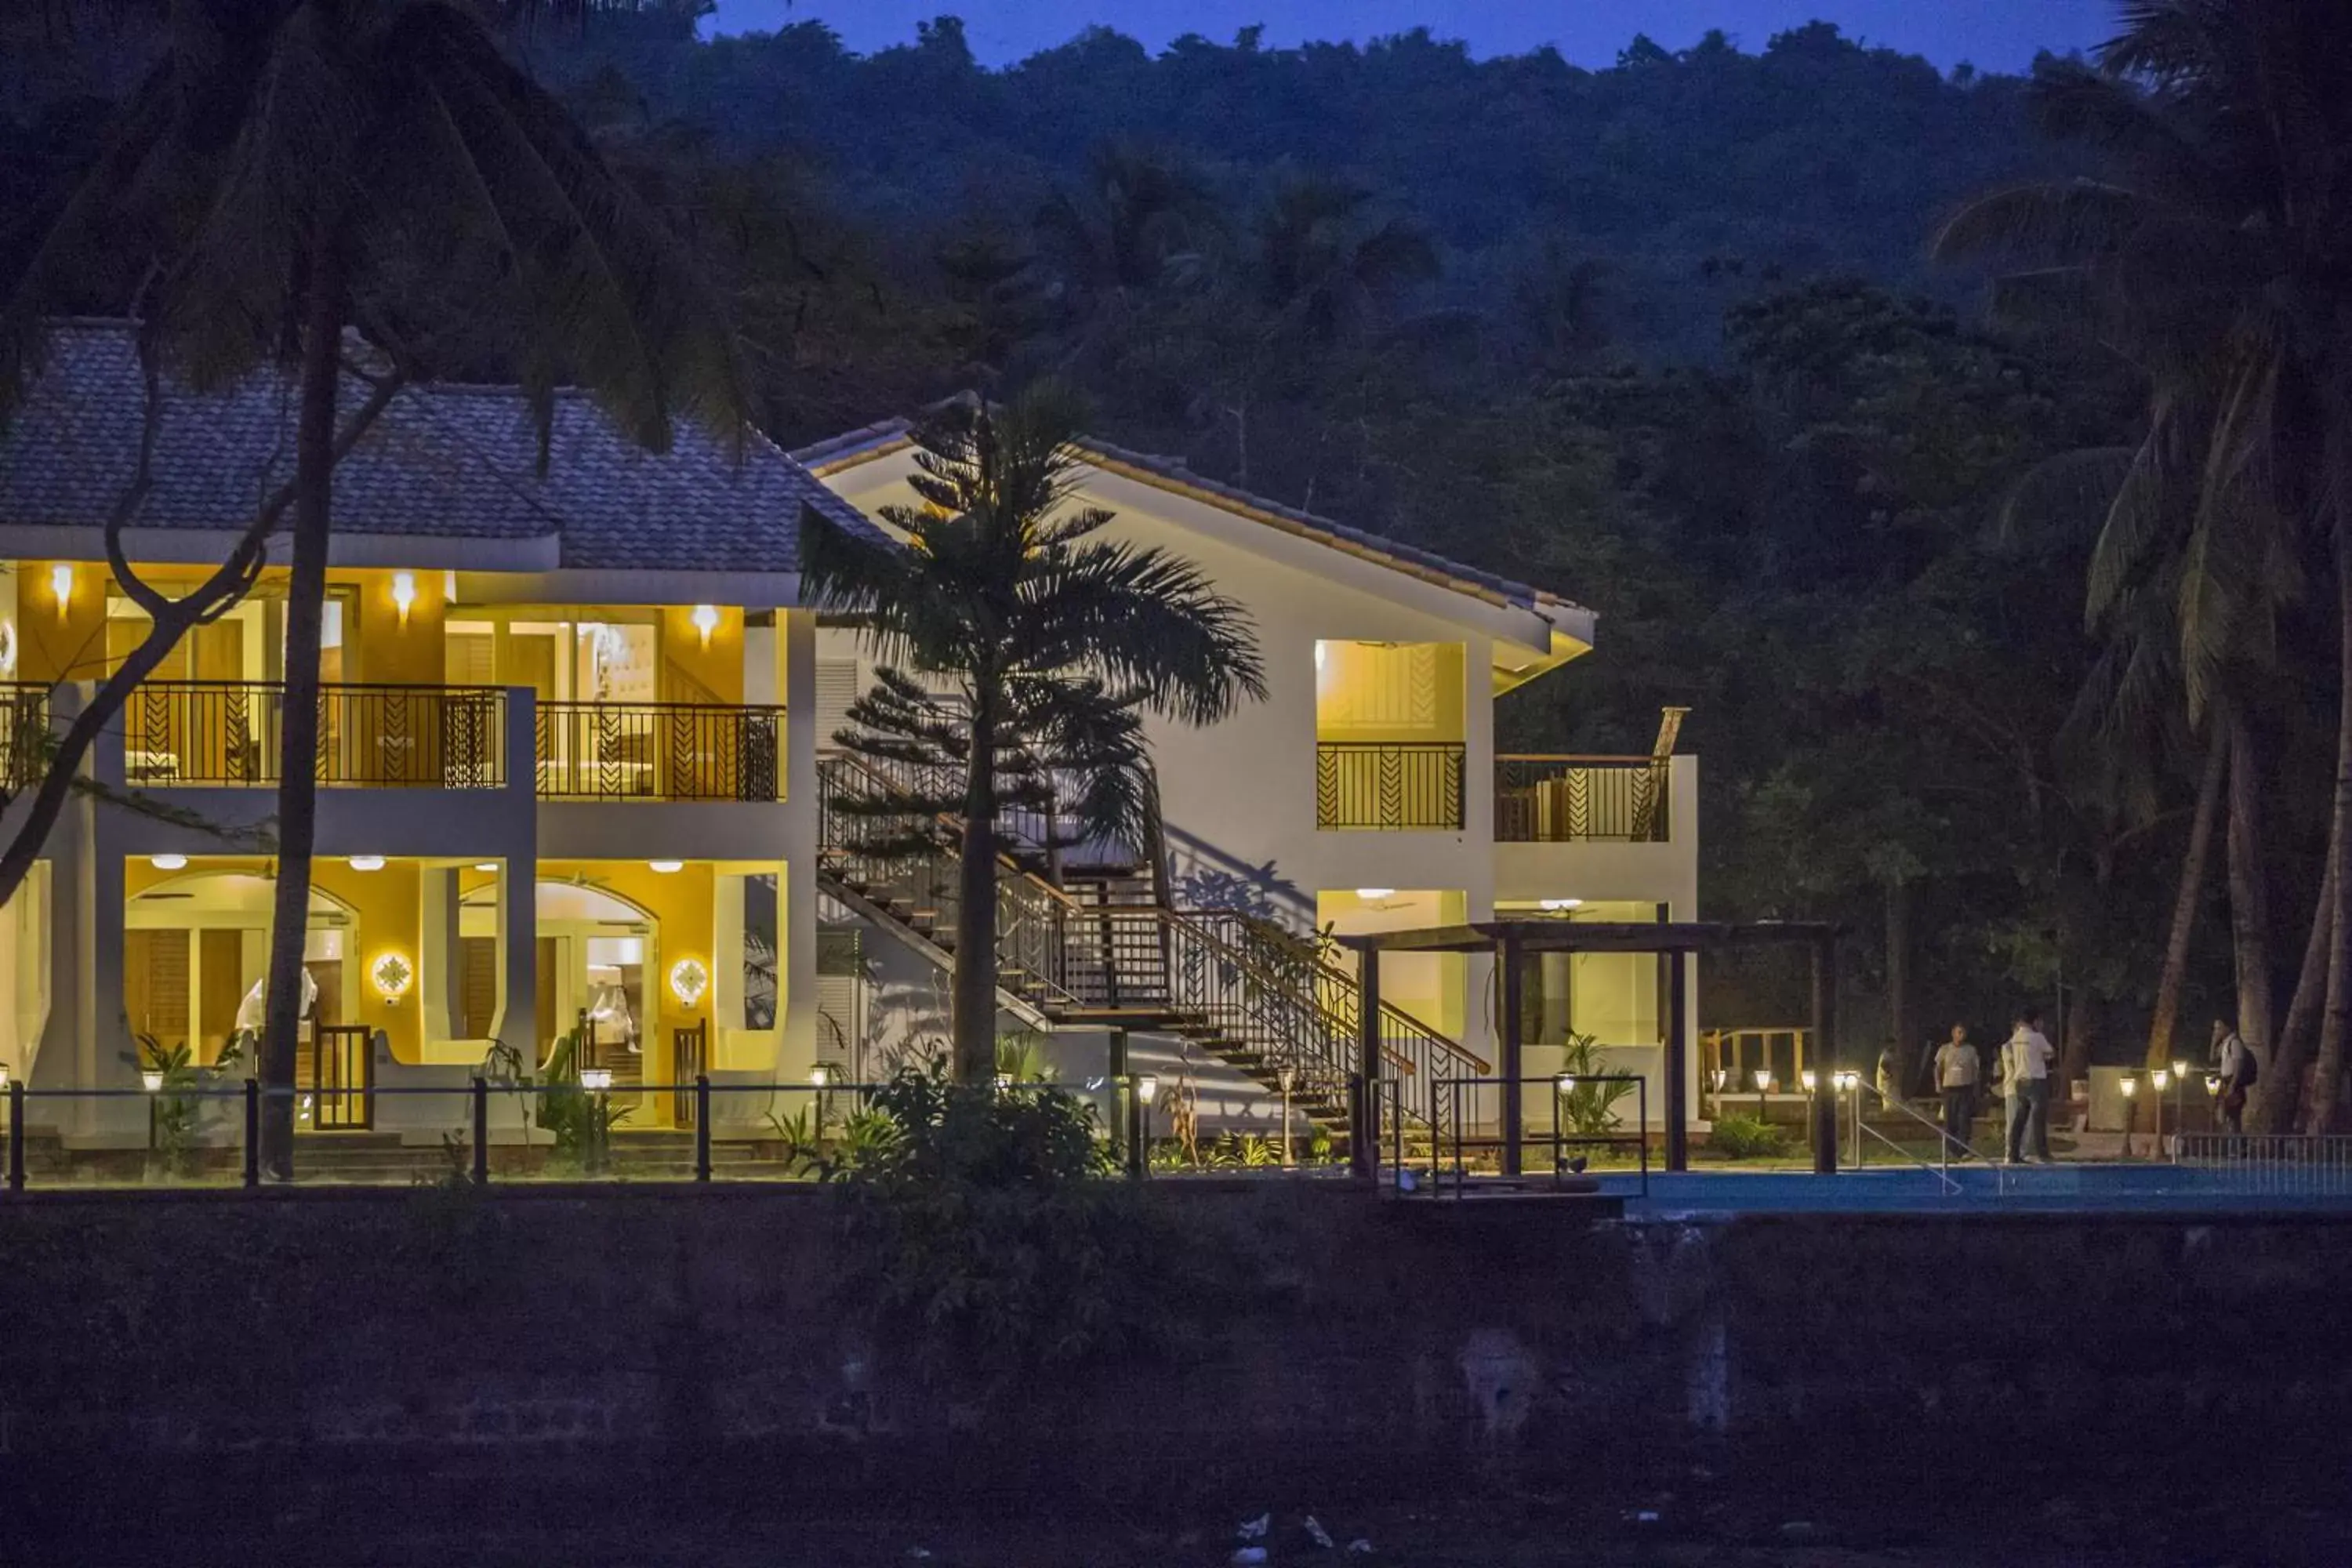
(205, 1131)
(1470, 1132)
(1566, 799)
(2269, 1164)
(660, 750)
(214, 733)
(1381, 786)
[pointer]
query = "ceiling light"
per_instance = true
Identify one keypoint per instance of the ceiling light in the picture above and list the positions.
(167, 862)
(367, 862)
(666, 866)
(1369, 894)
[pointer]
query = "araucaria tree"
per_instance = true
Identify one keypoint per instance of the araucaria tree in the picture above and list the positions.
(1021, 650)
(358, 190)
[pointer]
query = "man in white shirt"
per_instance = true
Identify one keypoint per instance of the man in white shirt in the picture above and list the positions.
(2025, 1061)
(1956, 1077)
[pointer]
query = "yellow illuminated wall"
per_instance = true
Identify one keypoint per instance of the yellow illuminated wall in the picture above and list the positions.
(1404, 693)
(1432, 987)
(385, 918)
(60, 644)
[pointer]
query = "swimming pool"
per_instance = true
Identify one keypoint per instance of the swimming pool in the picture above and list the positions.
(2060, 1189)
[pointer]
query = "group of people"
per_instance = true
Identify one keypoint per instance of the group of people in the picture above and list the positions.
(2025, 1063)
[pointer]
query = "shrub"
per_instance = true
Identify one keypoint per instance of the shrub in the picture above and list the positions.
(985, 1237)
(1747, 1138)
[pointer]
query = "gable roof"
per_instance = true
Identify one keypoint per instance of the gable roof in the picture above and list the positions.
(852, 447)
(443, 460)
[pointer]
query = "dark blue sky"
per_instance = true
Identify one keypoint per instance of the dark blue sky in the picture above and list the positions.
(1996, 35)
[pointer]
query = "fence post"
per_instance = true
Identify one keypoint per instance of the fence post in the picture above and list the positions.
(482, 1098)
(252, 1133)
(15, 1134)
(702, 1127)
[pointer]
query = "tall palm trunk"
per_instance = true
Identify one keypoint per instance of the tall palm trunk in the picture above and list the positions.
(2337, 1014)
(2250, 924)
(2162, 1028)
(298, 783)
(1899, 977)
(973, 998)
(2280, 1093)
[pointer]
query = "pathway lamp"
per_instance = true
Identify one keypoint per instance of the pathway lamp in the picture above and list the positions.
(1763, 1087)
(2160, 1079)
(1146, 1091)
(153, 1082)
(597, 1081)
(2131, 1093)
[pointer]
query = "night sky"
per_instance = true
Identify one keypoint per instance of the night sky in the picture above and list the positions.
(1995, 35)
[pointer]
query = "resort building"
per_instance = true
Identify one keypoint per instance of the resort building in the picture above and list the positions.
(576, 758)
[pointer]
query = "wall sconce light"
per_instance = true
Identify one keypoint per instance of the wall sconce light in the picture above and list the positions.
(61, 584)
(705, 621)
(689, 980)
(404, 593)
(392, 974)
(668, 867)
(4, 1076)
(168, 862)
(7, 648)
(367, 862)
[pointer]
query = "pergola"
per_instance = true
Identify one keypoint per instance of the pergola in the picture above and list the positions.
(1511, 940)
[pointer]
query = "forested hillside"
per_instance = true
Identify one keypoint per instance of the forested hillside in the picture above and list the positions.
(1664, 337)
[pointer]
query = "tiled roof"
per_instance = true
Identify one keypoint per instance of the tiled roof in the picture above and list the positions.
(855, 446)
(444, 459)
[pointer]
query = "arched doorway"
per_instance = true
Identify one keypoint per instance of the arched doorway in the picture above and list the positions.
(596, 950)
(195, 952)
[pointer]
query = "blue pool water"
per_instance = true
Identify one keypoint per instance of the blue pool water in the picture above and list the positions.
(2058, 1189)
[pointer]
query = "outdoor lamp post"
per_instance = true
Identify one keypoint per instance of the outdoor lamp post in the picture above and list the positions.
(1763, 1087)
(2131, 1094)
(1145, 1090)
(1720, 1077)
(2160, 1079)
(597, 1081)
(153, 1082)
(1847, 1081)
(820, 1078)
(1283, 1078)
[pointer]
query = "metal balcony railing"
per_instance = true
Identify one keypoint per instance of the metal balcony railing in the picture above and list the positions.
(24, 734)
(210, 734)
(660, 750)
(1388, 785)
(1567, 800)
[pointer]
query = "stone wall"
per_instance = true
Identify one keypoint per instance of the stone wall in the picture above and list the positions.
(695, 1336)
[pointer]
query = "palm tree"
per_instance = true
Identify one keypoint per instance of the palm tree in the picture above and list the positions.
(291, 171)
(2213, 258)
(1022, 651)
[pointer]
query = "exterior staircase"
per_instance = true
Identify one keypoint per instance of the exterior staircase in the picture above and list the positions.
(1099, 948)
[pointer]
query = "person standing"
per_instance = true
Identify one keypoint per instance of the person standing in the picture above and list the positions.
(1958, 1068)
(2236, 1066)
(2025, 1061)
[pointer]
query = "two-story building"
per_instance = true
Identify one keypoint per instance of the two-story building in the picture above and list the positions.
(573, 774)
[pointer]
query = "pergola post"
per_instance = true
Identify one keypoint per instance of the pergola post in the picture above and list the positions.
(1515, 1106)
(1676, 1062)
(1363, 1094)
(1823, 1106)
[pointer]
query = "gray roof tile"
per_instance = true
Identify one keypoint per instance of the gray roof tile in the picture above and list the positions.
(447, 461)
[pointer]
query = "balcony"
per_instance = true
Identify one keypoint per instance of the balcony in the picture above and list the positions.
(659, 752)
(207, 734)
(1576, 800)
(1380, 785)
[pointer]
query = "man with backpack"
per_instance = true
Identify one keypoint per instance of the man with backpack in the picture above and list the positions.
(2238, 1070)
